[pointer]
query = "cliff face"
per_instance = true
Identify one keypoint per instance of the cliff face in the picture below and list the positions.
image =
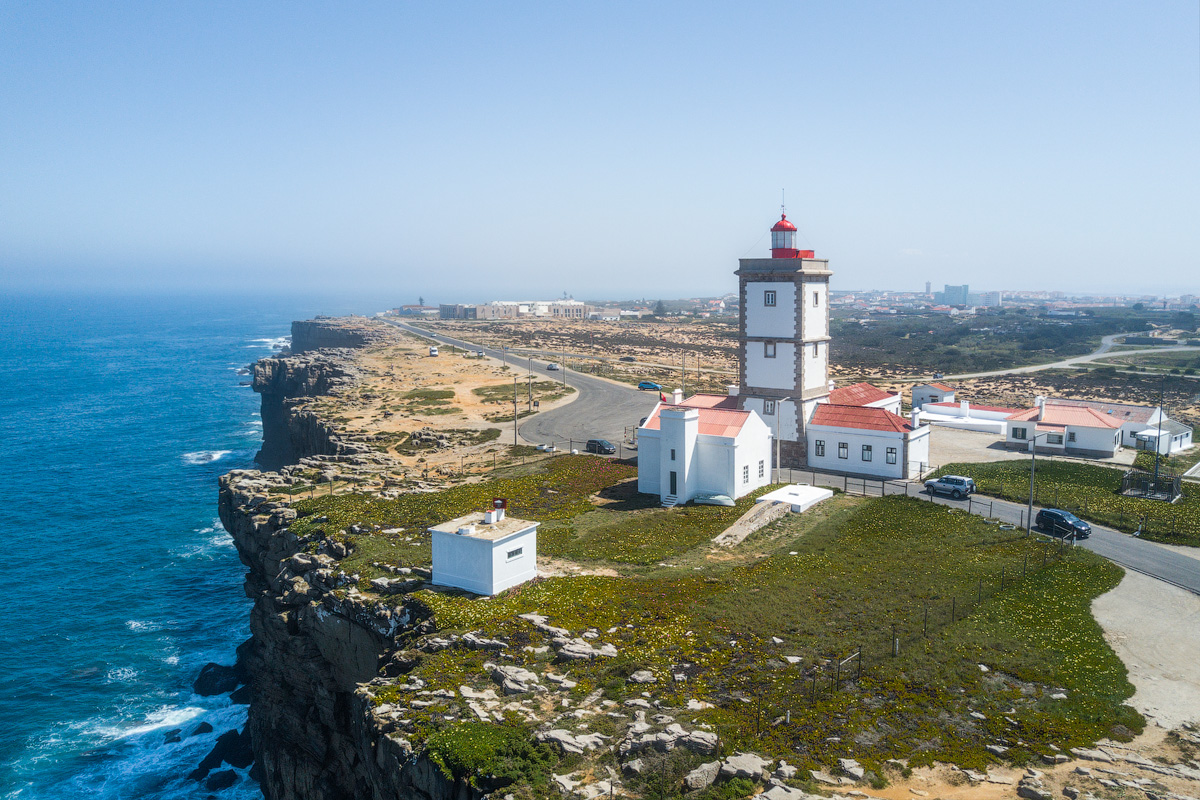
(290, 432)
(324, 333)
(312, 729)
(315, 639)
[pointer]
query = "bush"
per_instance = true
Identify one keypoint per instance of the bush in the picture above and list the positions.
(490, 756)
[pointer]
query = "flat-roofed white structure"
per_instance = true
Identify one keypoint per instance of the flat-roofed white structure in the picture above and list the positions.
(485, 552)
(800, 496)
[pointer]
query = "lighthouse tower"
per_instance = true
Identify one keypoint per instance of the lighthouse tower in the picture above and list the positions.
(784, 339)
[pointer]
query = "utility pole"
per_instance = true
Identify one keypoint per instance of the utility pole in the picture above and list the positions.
(515, 411)
(1032, 470)
(1158, 438)
(683, 373)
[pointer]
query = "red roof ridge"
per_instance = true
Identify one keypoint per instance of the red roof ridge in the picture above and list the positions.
(837, 415)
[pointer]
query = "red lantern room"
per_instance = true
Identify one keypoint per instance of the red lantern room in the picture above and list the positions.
(783, 241)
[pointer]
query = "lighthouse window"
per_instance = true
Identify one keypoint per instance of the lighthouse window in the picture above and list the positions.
(768, 406)
(816, 348)
(816, 299)
(768, 349)
(769, 298)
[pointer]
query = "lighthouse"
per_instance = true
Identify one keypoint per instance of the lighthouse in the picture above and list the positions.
(783, 342)
(783, 240)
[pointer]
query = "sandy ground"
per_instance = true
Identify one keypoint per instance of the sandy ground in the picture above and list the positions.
(1155, 629)
(952, 445)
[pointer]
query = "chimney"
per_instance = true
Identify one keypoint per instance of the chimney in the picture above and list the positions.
(831, 385)
(1040, 402)
(677, 397)
(916, 417)
(466, 530)
(489, 517)
(964, 408)
(732, 390)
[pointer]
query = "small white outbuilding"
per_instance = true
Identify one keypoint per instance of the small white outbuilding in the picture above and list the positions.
(485, 552)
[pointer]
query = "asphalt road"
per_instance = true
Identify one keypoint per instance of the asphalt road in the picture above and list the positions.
(602, 409)
(1103, 351)
(1130, 552)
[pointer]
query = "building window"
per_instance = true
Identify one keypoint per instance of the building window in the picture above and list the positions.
(762, 469)
(1018, 433)
(1071, 436)
(672, 453)
(1054, 438)
(933, 398)
(515, 553)
(820, 447)
(769, 298)
(816, 299)
(843, 450)
(768, 349)
(816, 348)
(746, 474)
(866, 455)
(768, 407)
(891, 455)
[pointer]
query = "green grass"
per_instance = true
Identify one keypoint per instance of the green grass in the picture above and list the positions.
(1176, 464)
(868, 565)
(490, 756)
(547, 391)
(1091, 491)
(559, 489)
(641, 532)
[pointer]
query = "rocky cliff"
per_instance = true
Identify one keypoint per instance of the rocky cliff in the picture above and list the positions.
(315, 639)
(291, 431)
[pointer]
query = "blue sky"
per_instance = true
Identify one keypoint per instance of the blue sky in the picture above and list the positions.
(471, 151)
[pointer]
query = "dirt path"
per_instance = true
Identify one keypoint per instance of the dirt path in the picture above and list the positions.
(1155, 629)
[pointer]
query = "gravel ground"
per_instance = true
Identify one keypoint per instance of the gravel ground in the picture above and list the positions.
(1155, 629)
(950, 445)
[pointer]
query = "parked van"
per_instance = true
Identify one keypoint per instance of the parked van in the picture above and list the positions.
(433, 351)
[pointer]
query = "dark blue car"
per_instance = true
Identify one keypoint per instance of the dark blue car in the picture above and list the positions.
(1062, 523)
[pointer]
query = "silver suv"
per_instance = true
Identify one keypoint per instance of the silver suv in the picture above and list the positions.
(956, 486)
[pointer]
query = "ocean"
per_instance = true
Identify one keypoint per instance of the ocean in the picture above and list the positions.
(118, 415)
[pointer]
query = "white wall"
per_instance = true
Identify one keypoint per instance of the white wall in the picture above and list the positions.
(880, 441)
(785, 416)
(918, 452)
(649, 452)
(779, 320)
(927, 394)
(481, 565)
(754, 445)
(814, 318)
(816, 370)
(678, 427)
(1105, 440)
(771, 373)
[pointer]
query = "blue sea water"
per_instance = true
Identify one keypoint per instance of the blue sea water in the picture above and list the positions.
(117, 415)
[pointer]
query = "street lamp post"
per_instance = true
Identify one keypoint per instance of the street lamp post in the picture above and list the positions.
(529, 371)
(779, 433)
(515, 379)
(1032, 470)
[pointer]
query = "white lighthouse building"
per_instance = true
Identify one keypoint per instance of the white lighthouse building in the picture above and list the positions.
(784, 341)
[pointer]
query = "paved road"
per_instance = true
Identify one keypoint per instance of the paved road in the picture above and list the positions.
(1103, 351)
(602, 409)
(1139, 555)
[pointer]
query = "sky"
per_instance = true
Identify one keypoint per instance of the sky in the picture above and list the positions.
(474, 151)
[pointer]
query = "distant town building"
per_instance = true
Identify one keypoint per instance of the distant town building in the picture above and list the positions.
(991, 299)
(956, 295)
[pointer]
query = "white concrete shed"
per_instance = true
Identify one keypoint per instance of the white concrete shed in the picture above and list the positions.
(485, 552)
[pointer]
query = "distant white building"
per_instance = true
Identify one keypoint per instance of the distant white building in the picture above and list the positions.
(1065, 429)
(485, 552)
(862, 440)
(924, 393)
(1168, 437)
(703, 445)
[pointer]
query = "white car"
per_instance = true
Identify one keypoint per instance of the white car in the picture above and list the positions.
(957, 486)
(552, 367)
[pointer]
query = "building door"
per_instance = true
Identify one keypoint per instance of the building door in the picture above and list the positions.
(674, 484)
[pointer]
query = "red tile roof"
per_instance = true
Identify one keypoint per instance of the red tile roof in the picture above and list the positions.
(710, 401)
(1057, 415)
(859, 394)
(941, 386)
(833, 415)
(712, 422)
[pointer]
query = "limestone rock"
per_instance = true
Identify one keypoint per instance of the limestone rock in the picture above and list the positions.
(851, 768)
(643, 676)
(702, 776)
(744, 765)
(572, 743)
(582, 650)
(1090, 754)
